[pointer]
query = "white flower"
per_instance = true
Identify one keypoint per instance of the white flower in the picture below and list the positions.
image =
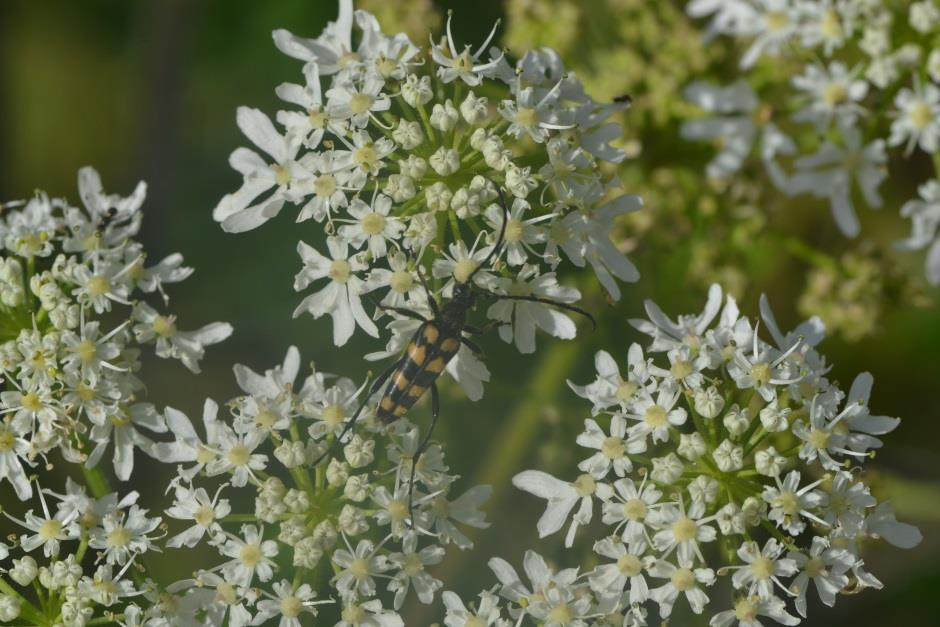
(774, 23)
(829, 174)
(682, 579)
(235, 453)
(372, 225)
(48, 531)
(835, 92)
(612, 450)
(610, 389)
(826, 566)
(924, 213)
(235, 211)
(464, 65)
(656, 417)
(688, 330)
(762, 568)
(357, 99)
(251, 555)
(288, 602)
(195, 505)
(632, 508)
(341, 297)
(486, 613)
(585, 238)
(121, 427)
(918, 118)
(682, 531)
(124, 534)
(359, 567)
(411, 564)
(747, 609)
(523, 317)
(881, 522)
(733, 126)
(789, 503)
(13, 454)
(172, 343)
(628, 569)
(562, 498)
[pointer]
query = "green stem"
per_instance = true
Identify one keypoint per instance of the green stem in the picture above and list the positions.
(97, 482)
(27, 609)
(801, 250)
(428, 129)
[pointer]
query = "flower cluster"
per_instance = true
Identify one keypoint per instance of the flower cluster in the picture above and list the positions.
(346, 522)
(345, 525)
(73, 319)
(827, 70)
(713, 454)
(415, 162)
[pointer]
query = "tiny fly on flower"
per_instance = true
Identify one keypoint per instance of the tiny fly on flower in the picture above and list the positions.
(433, 345)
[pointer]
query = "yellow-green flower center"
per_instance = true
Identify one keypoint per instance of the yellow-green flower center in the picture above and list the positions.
(250, 555)
(281, 174)
(463, 269)
(98, 285)
(760, 372)
(340, 270)
(819, 438)
(683, 579)
(834, 93)
(584, 485)
(613, 447)
(164, 326)
(629, 565)
(86, 350)
(373, 223)
(119, 537)
(635, 509)
(50, 529)
(324, 185)
(684, 529)
(290, 607)
(920, 115)
(655, 417)
(204, 516)
(238, 455)
(401, 281)
(360, 103)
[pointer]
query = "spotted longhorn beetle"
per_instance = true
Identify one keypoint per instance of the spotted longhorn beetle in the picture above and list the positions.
(431, 348)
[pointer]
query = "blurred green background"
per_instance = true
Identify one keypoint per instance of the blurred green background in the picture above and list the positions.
(148, 90)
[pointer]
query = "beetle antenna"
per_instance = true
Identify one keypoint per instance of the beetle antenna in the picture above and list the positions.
(548, 301)
(499, 240)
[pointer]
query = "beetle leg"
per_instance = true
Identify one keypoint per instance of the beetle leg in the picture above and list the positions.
(382, 378)
(472, 346)
(435, 412)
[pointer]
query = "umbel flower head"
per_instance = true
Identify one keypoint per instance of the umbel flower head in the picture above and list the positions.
(74, 315)
(411, 160)
(280, 537)
(713, 454)
(856, 83)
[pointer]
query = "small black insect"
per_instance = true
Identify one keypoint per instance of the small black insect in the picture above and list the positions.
(626, 99)
(431, 348)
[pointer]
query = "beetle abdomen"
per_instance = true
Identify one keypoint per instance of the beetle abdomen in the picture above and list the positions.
(428, 353)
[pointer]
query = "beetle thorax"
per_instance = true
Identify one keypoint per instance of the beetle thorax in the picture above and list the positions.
(454, 312)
